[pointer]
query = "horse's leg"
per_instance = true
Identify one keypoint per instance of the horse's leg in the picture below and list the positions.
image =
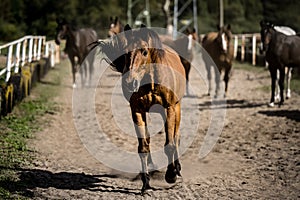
(177, 138)
(281, 84)
(187, 71)
(277, 93)
(139, 120)
(217, 80)
(170, 147)
(73, 65)
(83, 72)
(208, 70)
(273, 73)
(226, 78)
(288, 80)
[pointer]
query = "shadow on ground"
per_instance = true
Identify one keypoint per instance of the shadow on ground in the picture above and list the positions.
(290, 114)
(30, 179)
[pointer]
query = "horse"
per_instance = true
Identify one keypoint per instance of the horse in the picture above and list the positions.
(218, 45)
(288, 71)
(184, 47)
(115, 27)
(77, 47)
(281, 51)
(152, 74)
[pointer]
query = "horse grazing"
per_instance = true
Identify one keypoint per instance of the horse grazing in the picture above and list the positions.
(152, 74)
(77, 47)
(184, 47)
(281, 51)
(115, 27)
(288, 71)
(218, 45)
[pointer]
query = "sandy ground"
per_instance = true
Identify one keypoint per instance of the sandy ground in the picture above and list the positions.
(257, 155)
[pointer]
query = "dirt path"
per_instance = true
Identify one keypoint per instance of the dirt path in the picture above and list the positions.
(256, 156)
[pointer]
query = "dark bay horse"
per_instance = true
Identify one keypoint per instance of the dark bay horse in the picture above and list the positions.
(218, 45)
(184, 47)
(152, 74)
(77, 47)
(281, 51)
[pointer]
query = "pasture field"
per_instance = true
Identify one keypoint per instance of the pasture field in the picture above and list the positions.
(257, 155)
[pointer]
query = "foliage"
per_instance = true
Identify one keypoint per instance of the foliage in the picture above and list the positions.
(19, 17)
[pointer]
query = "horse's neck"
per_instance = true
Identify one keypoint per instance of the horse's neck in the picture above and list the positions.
(73, 39)
(276, 38)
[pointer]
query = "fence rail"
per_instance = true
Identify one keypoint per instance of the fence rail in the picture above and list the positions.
(21, 64)
(25, 50)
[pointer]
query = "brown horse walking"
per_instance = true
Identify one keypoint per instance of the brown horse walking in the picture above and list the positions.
(77, 46)
(218, 46)
(152, 74)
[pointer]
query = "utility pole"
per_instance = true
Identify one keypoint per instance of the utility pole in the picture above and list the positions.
(221, 13)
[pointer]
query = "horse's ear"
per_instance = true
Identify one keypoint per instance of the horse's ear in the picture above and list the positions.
(116, 20)
(218, 27)
(127, 27)
(143, 26)
(228, 27)
(262, 23)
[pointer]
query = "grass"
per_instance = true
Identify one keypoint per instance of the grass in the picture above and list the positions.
(19, 127)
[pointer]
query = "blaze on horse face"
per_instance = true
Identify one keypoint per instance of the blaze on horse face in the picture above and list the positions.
(139, 66)
(224, 37)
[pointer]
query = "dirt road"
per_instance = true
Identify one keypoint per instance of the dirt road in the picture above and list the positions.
(256, 156)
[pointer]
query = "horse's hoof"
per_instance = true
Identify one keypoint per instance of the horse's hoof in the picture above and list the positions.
(145, 190)
(271, 104)
(171, 176)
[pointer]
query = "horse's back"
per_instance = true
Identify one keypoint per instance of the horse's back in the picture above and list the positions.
(286, 49)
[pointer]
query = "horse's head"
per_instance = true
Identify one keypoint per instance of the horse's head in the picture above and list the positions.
(145, 48)
(61, 30)
(224, 37)
(266, 34)
(115, 26)
(192, 37)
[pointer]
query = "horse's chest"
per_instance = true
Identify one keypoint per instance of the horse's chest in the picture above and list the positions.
(146, 101)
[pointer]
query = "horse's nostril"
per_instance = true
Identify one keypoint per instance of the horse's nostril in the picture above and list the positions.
(135, 85)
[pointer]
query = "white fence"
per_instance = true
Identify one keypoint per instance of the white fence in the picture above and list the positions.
(247, 42)
(26, 50)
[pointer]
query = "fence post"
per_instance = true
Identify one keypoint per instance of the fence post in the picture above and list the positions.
(243, 49)
(254, 50)
(24, 52)
(235, 45)
(17, 57)
(9, 62)
(30, 50)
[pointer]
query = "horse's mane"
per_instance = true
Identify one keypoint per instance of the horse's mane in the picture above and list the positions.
(115, 52)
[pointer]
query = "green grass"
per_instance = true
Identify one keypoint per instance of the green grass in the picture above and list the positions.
(19, 127)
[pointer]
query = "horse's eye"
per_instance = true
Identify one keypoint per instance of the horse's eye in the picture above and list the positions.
(145, 52)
